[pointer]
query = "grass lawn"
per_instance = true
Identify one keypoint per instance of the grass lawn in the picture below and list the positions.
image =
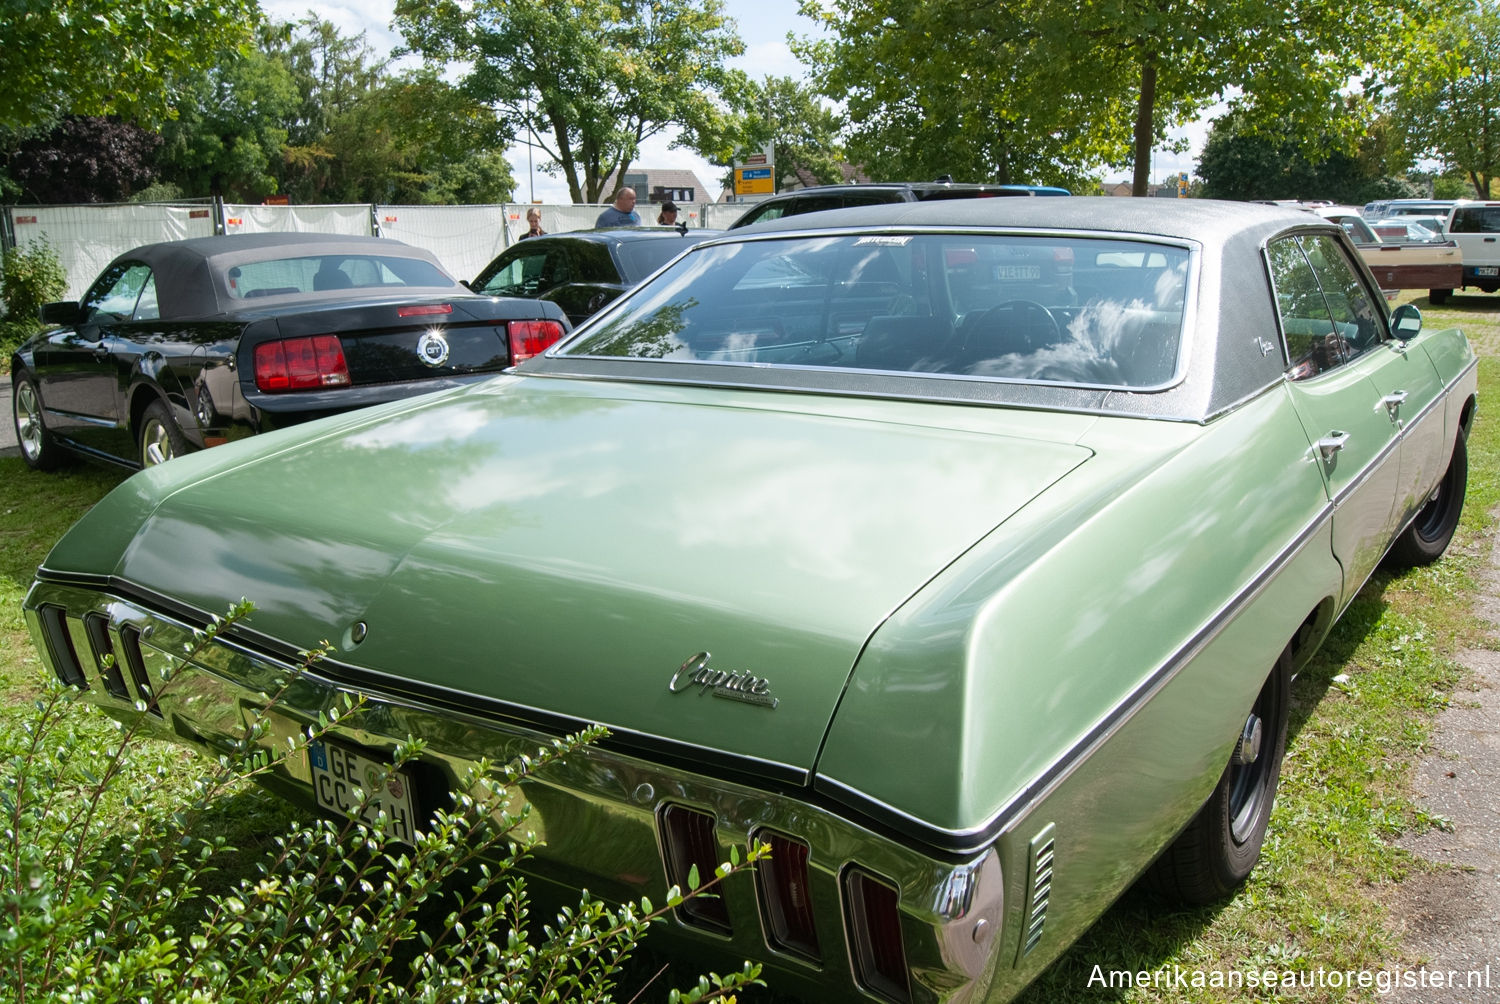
(1361, 718)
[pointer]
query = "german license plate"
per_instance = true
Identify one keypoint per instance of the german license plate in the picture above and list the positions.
(338, 772)
(1014, 273)
(1487, 270)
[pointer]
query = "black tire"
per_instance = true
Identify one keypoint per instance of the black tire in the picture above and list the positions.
(1425, 540)
(38, 448)
(1220, 847)
(160, 439)
(1438, 297)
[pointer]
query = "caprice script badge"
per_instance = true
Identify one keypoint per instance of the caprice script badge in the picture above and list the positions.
(731, 684)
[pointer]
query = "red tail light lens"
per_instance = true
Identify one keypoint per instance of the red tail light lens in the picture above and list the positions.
(875, 936)
(688, 840)
(785, 897)
(423, 309)
(315, 363)
(531, 338)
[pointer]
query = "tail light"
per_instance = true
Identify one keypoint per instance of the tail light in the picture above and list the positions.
(130, 644)
(59, 641)
(424, 309)
(531, 338)
(97, 628)
(688, 841)
(314, 363)
(785, 897)
(875, 936)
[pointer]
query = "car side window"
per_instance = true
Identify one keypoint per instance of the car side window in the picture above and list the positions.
(1475, 220)
(114, 296)
(523, 275)
(146, 308)
(1327, 316)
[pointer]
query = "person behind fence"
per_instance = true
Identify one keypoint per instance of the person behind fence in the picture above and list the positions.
(667, 216)
(621, 213)
(534, 222)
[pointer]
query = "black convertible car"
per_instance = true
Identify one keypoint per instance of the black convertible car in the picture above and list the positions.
(187, 344)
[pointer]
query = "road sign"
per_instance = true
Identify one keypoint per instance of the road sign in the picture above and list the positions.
(754, 181)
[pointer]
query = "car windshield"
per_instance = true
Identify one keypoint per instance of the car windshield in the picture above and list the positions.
(1021, 307)
(318, 273)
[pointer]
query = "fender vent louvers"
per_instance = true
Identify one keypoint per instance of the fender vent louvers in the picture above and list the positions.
(1038, 889)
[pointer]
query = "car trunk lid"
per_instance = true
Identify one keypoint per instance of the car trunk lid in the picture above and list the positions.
(694, 575)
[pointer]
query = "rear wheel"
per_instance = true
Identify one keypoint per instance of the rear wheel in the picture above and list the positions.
(1425, 540)
(1438, 297)
(38, 448)
(1220, 847)
(160, 438)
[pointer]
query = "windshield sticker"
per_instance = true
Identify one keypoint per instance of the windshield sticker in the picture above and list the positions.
(884, 241)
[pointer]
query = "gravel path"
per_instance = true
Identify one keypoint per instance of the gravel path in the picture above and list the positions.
(1451, 915)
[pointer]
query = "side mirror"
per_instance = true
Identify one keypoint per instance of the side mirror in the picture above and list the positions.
(1406, 321)
(64, 312)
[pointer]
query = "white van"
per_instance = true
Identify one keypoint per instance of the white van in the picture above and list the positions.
(1407, 207)
(1476, 228)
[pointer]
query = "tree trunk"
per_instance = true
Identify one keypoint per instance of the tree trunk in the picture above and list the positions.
(1144, 132)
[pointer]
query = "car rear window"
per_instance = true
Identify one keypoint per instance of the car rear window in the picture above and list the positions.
(321, 273)
(639, 259)
(1017, 307)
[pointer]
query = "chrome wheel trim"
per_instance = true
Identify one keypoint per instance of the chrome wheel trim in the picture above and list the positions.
(156, 443)
(29, 428)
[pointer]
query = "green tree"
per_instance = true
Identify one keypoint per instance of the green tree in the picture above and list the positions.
(1448, 94)
(589, 80)
(965, 89)
(1035, 90)
(105, 57)
(786, 113)
(1244, 159)
(231, 125)
(356, 133)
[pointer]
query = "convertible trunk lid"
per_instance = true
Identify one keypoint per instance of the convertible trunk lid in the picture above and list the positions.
(530, 548)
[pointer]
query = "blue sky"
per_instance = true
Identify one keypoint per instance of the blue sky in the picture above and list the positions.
(763, 24)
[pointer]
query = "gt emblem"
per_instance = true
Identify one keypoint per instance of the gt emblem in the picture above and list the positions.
(432, 348)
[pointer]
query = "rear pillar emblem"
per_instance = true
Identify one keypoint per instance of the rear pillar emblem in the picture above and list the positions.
(432, 348)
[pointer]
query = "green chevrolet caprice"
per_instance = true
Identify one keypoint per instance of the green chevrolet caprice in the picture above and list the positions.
(962, 552)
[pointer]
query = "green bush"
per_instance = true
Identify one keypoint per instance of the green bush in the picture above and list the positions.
(29, 277)
(106, 896)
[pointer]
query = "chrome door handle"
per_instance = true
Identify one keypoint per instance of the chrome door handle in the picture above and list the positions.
(1393, 403)
(1331, 444)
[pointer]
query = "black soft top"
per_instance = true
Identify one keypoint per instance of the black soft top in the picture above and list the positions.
(190, 273)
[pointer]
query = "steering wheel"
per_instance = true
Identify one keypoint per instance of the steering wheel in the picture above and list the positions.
(1033, 318)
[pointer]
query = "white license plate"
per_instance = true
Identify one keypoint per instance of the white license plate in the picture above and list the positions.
(338, 772)
(1488, 270)
(1013, 273)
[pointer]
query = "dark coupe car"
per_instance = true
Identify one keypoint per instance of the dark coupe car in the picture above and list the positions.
(964, 553)
(821, 198)
(583, 270)
(187, 344)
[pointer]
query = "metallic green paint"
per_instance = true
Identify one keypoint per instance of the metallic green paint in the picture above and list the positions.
(743, 529)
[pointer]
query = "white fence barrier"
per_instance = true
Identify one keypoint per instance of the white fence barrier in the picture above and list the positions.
(464, 238)
(347, 220)
(86, 238)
